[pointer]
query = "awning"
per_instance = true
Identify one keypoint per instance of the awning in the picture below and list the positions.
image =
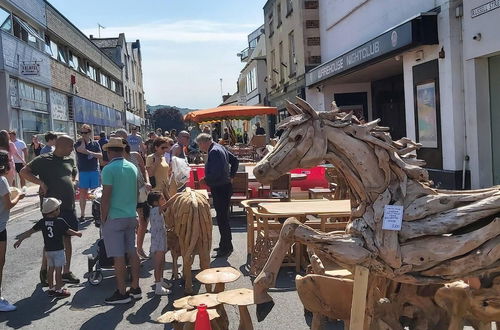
(417, 31)
(229, 112)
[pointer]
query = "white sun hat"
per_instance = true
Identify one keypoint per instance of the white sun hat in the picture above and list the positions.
(50, 204)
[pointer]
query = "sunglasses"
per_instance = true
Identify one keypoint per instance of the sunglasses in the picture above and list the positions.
(87, 132)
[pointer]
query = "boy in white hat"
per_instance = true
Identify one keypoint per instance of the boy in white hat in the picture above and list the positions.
(53, 229)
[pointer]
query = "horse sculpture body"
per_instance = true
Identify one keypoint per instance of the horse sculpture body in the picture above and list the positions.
(445, 235)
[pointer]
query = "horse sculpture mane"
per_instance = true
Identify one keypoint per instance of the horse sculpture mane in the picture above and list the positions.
(445, 235)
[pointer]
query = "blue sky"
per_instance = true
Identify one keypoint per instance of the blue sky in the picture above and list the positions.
(187, 45)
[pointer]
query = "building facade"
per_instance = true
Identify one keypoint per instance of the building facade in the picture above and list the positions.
(52, 77)
(404, 65)
(127, 55)
(292, 47)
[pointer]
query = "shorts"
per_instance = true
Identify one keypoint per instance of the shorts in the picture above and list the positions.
(19, 167)
(55, 258)
(88, 180)
(70, 217)
(119, 236)
(3, 235)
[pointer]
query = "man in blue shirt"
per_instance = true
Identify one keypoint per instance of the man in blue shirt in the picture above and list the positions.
(88, 152)
(119, 219)
(220, 169)
(135, 141)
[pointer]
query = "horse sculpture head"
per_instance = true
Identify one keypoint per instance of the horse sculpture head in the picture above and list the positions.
(302, 144)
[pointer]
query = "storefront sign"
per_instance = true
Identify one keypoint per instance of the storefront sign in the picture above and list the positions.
(395, 40)
(89, 112)
(133, 119)
(485, 8)
(30, 68)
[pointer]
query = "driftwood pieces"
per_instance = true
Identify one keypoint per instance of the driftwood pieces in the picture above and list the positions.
(188, 218)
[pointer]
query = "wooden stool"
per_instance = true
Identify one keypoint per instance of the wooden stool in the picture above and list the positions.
(315, 193)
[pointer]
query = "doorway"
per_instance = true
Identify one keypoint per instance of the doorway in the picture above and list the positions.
(494, 77)
(357, 103)
(389, 104)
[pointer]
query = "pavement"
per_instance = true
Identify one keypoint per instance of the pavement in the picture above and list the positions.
(85, 309)
(30, 202)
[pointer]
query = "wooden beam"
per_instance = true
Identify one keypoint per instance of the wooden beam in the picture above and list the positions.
(358, 306)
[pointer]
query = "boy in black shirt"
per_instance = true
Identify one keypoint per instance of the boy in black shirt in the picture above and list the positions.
(53, 230)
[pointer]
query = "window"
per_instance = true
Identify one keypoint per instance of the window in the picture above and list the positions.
(133, 70)
(292, 60)
(32, 97)
(251, 80)
(278, 13)
(113, 86)
(91, 72)
(26, 32)
(312, 24)
(311, 4)
(273, 70)
(74, 61)
(48, 50)
(81, 66)
(6, 20)
(313, 41)
(289, 7)
(104, 79)
(281, 64)
(271, 25)
(53, 49)
(62, 55)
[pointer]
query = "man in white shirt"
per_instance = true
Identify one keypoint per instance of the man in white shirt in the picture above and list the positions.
(21, 155)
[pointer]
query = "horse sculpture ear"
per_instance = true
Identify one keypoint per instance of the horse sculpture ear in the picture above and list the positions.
(292, 108)
(307, 108)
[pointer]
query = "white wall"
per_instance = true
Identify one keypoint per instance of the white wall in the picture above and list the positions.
(346, 24)
(487, 24)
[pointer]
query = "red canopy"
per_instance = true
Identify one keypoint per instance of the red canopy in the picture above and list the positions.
(229, 112)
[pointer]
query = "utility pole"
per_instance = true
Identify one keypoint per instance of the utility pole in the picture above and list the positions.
(99, 27)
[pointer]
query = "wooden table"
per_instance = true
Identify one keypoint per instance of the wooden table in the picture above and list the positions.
(336, 208)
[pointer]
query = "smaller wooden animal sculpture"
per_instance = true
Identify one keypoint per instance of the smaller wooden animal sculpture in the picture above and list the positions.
(189, 231)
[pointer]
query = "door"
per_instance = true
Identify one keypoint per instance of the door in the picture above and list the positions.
(389, 105)
(494, 74)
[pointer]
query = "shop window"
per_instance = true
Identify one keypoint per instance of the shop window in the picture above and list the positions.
(34, 123)
(6, 20)
(25, 32)
(14, 92)
(32, 97)
(91, 72)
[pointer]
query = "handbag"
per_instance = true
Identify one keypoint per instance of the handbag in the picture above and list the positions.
(143, 195)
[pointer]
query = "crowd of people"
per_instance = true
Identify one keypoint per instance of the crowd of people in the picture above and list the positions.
(134, 176)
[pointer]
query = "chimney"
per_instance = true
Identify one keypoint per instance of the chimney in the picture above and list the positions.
(91, 36)
(225, 97)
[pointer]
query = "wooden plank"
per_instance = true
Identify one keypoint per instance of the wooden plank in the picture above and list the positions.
(359, 292)
(339, 208)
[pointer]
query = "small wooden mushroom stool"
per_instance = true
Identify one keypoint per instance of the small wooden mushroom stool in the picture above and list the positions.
(241, 298)
(218, 276)
(182, 303)
(183, 319)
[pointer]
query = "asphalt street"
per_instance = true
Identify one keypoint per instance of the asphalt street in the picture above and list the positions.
(85, 308)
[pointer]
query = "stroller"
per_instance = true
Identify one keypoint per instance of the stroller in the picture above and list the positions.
(99, 262)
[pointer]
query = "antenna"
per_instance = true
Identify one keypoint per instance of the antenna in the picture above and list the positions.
(221, 92)
(99, 27)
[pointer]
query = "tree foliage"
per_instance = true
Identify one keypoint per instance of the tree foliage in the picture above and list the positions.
(168, 118)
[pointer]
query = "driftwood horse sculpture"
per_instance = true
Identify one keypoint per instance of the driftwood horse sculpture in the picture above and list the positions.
(189, 232)
(445, 235)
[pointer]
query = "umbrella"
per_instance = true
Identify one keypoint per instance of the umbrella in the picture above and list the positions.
(226, 112)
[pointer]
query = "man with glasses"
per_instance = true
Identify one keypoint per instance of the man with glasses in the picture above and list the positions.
(88, 152)
(135, 141)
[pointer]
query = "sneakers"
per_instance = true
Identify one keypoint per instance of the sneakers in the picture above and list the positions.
(63, 293)
(6, 306)
(135, 293)
(117, 298)
(70, 278)
(160, 290)
(43, 278)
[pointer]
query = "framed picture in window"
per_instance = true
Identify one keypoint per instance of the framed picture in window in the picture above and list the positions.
(426, 114)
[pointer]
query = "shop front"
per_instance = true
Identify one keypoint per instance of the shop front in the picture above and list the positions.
(100, 117)
(132, 120)
(60, 114)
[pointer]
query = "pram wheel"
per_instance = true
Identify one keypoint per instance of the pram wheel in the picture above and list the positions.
(95, 277)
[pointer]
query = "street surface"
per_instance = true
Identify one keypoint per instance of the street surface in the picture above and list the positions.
(85, 309)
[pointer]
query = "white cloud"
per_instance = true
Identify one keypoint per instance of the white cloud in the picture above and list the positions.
(184, 31)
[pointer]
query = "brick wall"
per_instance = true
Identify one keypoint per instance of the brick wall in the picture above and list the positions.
(58, 25)
(87, 88)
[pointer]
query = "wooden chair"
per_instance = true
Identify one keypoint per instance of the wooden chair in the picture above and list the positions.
(281, 187)
(240, 189)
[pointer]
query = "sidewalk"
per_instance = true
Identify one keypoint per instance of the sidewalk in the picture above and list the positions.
(28, 203)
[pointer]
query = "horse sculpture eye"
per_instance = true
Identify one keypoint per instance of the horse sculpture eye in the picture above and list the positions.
(298, 138)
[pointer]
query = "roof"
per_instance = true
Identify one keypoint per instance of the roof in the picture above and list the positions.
(105, 42)
(229, 112)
